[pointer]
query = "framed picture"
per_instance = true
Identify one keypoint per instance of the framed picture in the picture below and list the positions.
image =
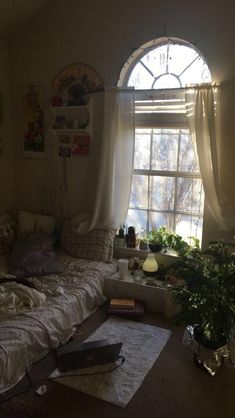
(34, 141)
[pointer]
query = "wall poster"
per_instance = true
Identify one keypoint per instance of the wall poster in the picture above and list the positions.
(34, 145)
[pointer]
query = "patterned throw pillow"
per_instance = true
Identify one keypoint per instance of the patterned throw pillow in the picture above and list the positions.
(7, 237)
(34, 256)
(96, 245)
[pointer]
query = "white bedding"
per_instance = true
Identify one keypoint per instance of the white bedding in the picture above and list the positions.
(69, 298)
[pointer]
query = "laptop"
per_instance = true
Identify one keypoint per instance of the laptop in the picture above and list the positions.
(74, 355)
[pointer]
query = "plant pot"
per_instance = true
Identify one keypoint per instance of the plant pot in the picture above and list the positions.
(155, 248)
(201, 339)
(206, 356)
(143, 246)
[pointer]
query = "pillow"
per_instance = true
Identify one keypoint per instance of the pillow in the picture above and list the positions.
(31, 223)
(34, 256)
(80, 218)
(96, 245)
(7, 237)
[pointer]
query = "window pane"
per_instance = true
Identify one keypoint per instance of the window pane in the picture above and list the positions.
(139, 192)
(162, 193)
(189, 226)
(187, 156)
(138, 219)
(156, 60)
(198, 72)
(167, 81)
(165, 149)
(158, 219)
(180, 57)
(189, 195)
(142, 149)
(140, 78)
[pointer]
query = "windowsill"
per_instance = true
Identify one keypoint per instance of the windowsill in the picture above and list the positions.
(143, 281)
(163, 259)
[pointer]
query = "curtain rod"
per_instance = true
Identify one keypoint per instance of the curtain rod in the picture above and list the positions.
(158, 90)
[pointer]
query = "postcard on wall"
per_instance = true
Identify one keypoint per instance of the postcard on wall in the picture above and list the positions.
(34, 145)
(81, 144)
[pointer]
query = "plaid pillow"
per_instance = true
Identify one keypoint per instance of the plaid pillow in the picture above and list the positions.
(96, 245)
(7, 237)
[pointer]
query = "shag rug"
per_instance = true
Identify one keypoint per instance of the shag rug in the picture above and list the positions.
(16, 408)
(141, 347)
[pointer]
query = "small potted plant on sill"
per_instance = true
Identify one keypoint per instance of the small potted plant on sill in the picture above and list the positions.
(143, 244)
(157, 239)
(206, 298)
(176, 243)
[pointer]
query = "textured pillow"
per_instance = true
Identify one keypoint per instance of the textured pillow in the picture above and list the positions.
(95, 245)
(7, 237)
(31, 223)
(34, 256)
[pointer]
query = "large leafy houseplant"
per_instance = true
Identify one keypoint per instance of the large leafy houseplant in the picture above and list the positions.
(207, 296)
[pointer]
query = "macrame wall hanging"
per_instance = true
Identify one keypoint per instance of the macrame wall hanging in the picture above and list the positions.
(53, 188)
(71, 89)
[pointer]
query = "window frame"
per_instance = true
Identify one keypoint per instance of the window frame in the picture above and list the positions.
(163, 120)
(176, 101)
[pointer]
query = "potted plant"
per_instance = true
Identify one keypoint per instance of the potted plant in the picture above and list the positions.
(162, 238)
(206, 298)
(179, 245)
(143, 243)
(156, 239)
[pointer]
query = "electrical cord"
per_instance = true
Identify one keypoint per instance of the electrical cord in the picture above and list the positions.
(6, 397)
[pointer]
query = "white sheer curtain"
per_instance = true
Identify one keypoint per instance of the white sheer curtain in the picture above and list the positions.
(117, 152)
(203, 110)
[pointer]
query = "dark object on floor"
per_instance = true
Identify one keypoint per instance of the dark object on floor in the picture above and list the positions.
(16, 408)
(74, 355)
(135, 312)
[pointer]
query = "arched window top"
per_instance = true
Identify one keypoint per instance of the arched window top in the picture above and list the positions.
(165, 63)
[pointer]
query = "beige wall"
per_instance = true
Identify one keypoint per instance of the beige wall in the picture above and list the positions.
(7, 172)
(103, 34)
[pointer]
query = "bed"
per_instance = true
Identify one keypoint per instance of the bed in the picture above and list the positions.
(39, 318)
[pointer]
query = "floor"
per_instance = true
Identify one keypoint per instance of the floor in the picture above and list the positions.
(174, 388)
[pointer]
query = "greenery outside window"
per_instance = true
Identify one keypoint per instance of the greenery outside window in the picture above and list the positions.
(166, 188)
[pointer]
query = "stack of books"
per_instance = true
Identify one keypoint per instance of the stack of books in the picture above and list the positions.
(130, 308)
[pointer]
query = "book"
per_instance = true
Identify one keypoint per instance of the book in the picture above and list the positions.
(122, 303)
(134, 312)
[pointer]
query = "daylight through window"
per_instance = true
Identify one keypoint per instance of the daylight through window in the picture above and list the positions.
(166, 183)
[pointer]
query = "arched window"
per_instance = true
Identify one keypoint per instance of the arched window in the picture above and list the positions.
(166, 183)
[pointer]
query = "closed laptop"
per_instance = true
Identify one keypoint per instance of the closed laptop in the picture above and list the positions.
(75, 355)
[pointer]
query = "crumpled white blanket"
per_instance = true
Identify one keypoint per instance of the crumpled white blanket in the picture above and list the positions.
(15, 297)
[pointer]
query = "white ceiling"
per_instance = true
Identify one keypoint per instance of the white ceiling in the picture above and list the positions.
(14, 13)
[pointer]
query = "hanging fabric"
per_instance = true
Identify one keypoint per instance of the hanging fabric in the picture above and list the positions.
(53, 188)
(117, 152)
(203, 111)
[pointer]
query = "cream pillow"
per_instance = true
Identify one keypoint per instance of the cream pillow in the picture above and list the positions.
(32, 223)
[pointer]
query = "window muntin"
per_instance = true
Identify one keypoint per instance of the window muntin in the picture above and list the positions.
(166, 184)
(165, 63)
(166, 187)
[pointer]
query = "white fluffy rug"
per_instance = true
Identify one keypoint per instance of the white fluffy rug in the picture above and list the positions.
(142, 345)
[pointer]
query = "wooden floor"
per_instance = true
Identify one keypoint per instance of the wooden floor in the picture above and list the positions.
(174, 388)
